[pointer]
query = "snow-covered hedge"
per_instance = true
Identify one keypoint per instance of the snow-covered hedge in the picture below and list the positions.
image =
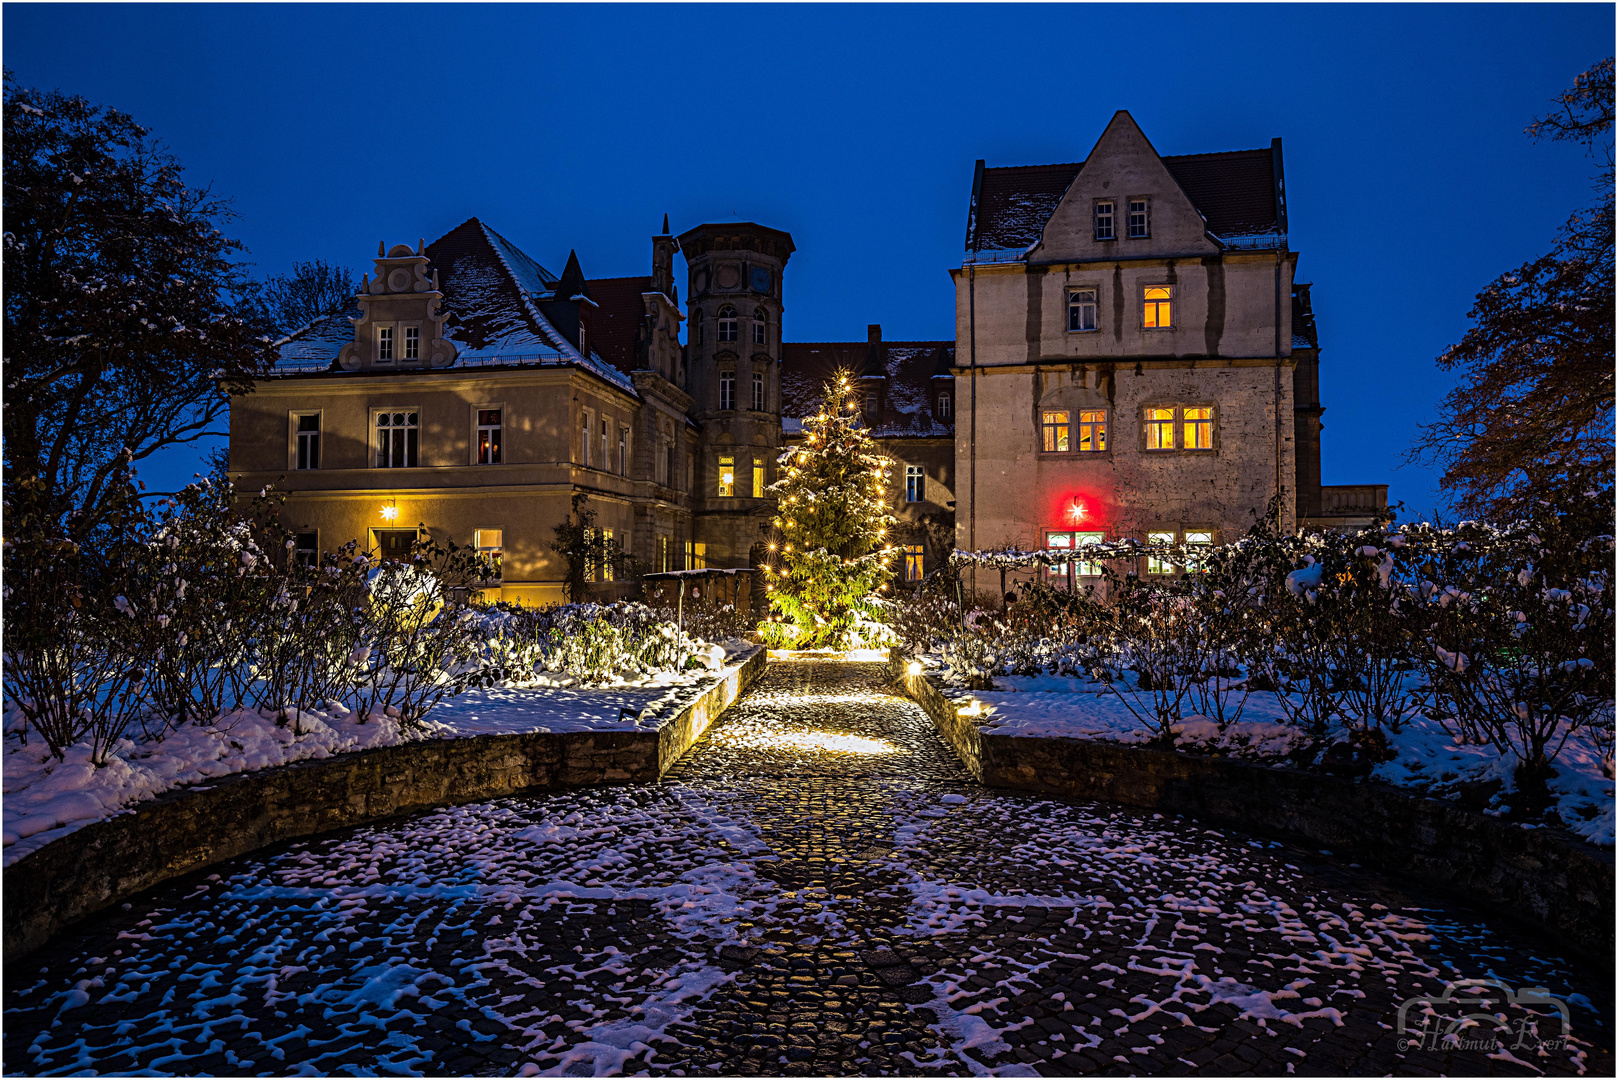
(202, 609)
(1503, 635)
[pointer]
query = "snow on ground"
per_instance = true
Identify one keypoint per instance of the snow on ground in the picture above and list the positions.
(1425, 755)
(46, 799)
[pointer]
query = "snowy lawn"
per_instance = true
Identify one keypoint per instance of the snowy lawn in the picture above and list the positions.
(46, 799)
(1425, 756)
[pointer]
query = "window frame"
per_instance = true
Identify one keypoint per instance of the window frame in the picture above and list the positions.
(587, 428)
(1081, 567)
(298, 548)
(1087, 425)
(944, 408)
(1177, 425)
(411, 343)
(1154, 565)
(758, 477)
(761, 323)
(374, 441)
(482, 547)
(1075, 306)
(478, 427)
(915, 483)
(915, 556)
(1186, 420)
(1061, 441)
(727, 391)
(1157, 305)
(623, 449)
(1105, 223)
(295, 453)
(727, 324)
(1145, 212)
(725, 490)
(384, 335)
(1172, 427)
(758, 391)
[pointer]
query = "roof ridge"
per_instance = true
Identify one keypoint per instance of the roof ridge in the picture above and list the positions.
(1217, 153)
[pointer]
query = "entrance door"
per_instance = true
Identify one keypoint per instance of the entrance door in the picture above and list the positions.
(395, 543)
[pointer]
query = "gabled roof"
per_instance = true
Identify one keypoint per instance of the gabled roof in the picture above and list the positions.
(615, 320)
(907, 370)
(491, 296)
(1233, 190)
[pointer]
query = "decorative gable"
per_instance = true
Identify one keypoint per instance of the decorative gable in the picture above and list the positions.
(1126, 192)
(400, 326)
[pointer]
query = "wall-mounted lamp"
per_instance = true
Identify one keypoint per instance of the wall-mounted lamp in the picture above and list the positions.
(390, 510)
(1076, 510)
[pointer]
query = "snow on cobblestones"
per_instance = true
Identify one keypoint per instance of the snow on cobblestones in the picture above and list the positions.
(790, 900)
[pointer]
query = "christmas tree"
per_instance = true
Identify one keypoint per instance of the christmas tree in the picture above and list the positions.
(830, 556)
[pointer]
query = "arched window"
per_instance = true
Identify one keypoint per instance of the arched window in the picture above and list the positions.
(761, 319)
(727, 323)
(944, 406)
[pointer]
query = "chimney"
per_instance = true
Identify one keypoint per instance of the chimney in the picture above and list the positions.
(873, 350)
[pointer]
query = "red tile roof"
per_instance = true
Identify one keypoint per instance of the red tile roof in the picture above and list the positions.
(907, 368)
(615, 322)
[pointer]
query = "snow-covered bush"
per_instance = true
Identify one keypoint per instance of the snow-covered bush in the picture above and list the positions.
(590, 643)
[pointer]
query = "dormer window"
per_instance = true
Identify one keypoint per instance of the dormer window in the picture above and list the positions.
(1138, 227)
(727, 324)
(584, 349)
(384, 345)
(1104, 217)
(760, 319)
(412, 343)
(872, 403)
(944, 406)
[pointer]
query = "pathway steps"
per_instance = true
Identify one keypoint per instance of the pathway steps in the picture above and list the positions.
(817, 888)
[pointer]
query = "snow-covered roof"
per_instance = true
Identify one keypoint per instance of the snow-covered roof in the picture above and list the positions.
(491, 295)
(909, 372)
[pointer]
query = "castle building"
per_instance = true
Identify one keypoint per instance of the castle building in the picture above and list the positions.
(1132, 357)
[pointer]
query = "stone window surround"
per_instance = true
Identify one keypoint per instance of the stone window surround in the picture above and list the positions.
(472, 450)
(1146, 214)
(1074, 413)
(1179, 408)
(370, 433)
(397, 327)
(1111, 220)
(1077, 287)
(292, 435)
(1173, 302)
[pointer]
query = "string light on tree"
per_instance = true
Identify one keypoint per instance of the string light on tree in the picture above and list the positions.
(833, 522)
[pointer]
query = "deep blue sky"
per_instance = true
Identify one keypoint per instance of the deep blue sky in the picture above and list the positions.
(855, 128)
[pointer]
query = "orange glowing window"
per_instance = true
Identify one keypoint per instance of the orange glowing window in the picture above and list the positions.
(1160, 429)
(1157, 310)
(1199, 428)
(1092, 430)
(1054, 430)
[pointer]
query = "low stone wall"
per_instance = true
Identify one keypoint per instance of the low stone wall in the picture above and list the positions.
(1549, 879)
(189, 828)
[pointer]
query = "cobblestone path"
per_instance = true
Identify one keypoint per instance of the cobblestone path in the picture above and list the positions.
(818, 888)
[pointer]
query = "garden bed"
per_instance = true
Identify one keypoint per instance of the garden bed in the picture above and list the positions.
(47, 799)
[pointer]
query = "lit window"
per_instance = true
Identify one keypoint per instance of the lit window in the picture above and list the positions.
(696, 555)
(1081, 309)
(759, 321)
(1197, 542)
(1160, 429)
(412, 343)
(606, 554)
(384, 345)
(1137, 219)
(1092, 429)
(1198, 428)
(727, 476)
(1157, 564)
(727, 390)
(915, 483)
(589, 554)
(489, 436)
(727, 324)
(1104, 230)
(758, 391)
(758, 478)
(306, 548)
(490, 544)
(1157, 312)
(1071, 541)
(665, 555)
(913, 562)
(309, 441)
(1054, 429)
(397, 435)
(944, 406)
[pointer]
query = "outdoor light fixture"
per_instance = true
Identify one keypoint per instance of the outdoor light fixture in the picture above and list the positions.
(390, 510)
(1076, 510)
(913, 668)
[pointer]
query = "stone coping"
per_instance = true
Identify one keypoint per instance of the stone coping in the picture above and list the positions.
(189, 828)
(1549, 879)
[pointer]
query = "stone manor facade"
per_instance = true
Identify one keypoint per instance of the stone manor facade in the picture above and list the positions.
(1132, 356)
